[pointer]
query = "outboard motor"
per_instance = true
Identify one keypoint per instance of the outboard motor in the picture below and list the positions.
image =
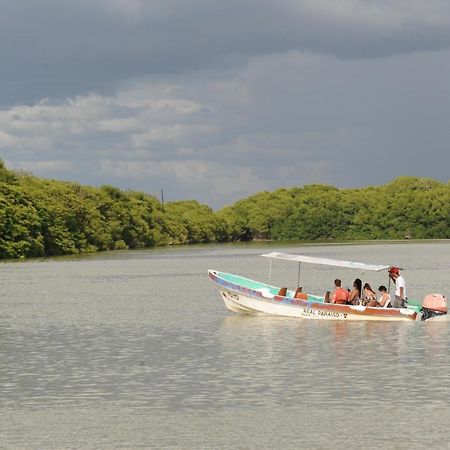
(434, 305)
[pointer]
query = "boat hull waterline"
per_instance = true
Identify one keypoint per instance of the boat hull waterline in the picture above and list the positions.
(244, 296)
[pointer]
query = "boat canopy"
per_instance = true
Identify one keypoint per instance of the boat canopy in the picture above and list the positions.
(325, 261)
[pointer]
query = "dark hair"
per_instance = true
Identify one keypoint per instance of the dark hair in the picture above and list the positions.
(382, 288)
(368, 287)
(337, 282)
(358, 284)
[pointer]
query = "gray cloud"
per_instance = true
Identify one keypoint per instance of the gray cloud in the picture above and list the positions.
(62, 47)
(217, 100)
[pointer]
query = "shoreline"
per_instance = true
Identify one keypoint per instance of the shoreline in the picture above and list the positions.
(254, 242)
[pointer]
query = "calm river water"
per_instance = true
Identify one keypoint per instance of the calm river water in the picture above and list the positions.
(136, 350)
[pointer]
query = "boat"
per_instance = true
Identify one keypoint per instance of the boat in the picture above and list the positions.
(245, 296)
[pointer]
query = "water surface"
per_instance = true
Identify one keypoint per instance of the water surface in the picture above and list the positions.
(136, 350)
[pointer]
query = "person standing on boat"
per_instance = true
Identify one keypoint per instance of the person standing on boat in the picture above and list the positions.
(400, 288)
(340, 295)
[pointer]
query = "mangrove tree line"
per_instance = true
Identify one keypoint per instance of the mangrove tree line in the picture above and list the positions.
(46, 217)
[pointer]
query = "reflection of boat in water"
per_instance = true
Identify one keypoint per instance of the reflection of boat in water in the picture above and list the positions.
(246, 296)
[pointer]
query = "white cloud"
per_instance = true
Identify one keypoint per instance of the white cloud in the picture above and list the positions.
(223, 181)
(127, 124)
(6, 140)
(46, 167)
(84, 119)
(182, 134)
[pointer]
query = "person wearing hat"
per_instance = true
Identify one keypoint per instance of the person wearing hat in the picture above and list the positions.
(400, 288)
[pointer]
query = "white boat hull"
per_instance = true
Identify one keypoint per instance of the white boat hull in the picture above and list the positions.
(243, 304)
(243, 300)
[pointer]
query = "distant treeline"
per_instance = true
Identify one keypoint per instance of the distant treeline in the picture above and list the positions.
(46, 217)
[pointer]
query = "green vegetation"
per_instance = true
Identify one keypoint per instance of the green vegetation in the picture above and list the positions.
(46, 217)
(408, 207)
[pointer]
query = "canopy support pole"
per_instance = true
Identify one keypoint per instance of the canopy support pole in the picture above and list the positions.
(270, 269)
(298, 275)
(361, 294)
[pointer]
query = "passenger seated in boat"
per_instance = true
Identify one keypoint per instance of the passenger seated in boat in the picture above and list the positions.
(385, 299)
(282, 292)
(369, 298)
(340, 295)
(299, 294)
(355, 294)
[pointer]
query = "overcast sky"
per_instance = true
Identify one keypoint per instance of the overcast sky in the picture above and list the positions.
(215, 100)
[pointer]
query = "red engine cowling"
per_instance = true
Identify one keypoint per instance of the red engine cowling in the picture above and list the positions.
(436, 302)
(434, 305)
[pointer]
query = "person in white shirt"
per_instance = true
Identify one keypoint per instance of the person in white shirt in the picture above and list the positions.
(385, 299)
(400, 288)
